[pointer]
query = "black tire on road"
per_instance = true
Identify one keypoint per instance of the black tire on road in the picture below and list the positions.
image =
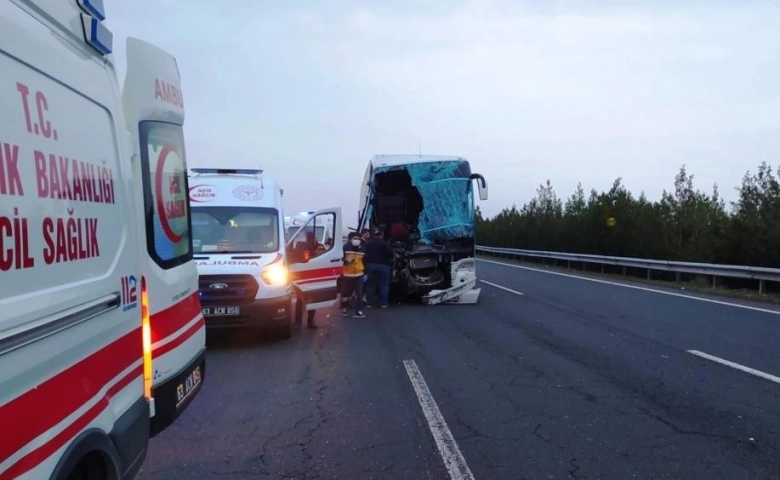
(283, 333)
(299, 306)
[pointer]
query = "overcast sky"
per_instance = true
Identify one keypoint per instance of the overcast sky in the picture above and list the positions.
(526, 90)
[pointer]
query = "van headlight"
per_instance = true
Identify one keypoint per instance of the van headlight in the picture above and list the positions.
(275, 275)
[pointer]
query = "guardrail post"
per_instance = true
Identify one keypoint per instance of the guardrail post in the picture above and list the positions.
(602, 268)
(715, 281)
(568, 264)
(762, 287)
(649, 277)
(624, 269)
(677, 276)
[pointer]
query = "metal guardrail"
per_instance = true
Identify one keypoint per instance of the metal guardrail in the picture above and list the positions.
(715, 270)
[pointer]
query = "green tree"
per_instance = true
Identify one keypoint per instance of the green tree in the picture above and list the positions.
(755, 227)
(685, 224)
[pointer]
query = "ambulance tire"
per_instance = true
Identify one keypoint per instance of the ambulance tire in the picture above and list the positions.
(92, 456)
(299, 307)
(283, 333)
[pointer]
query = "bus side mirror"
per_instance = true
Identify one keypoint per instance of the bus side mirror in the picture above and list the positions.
(481, 185)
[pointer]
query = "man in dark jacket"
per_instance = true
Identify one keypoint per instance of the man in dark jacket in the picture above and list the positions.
(378, 262)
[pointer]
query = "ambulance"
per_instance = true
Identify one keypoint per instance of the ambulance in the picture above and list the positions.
(324, 233)
(102, 339)
(293, 222)
(248, 275)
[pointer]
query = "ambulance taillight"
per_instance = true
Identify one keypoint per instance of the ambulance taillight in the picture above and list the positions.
(146, 330)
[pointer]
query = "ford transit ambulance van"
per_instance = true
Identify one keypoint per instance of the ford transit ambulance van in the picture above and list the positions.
(78, 397)
(154, 113)
(247, 277)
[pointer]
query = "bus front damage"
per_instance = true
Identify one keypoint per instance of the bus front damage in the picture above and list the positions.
(425, 206)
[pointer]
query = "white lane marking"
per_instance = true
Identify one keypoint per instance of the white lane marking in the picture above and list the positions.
(635, 287)
(749, 370)
(501, 287)
(448, 449)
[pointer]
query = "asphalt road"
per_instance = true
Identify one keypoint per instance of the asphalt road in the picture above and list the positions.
(571, 379)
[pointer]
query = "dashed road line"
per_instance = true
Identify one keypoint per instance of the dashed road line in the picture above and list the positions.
(731, 364)
(502, 287)
(448, 448)
(636, 287)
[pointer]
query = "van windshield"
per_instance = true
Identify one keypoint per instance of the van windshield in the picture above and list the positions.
(235, 230)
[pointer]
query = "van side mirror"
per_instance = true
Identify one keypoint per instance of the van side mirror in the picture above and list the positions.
(481, 185)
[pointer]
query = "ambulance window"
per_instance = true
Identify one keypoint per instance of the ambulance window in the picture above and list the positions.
(166, 205)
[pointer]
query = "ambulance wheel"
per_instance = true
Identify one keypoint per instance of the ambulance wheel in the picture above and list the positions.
(283, 333)
(90, 468)
(91, 456)
(299, 306)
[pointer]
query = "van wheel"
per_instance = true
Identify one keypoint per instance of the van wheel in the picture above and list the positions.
(91, 467)
(283, 333)
(298, 309)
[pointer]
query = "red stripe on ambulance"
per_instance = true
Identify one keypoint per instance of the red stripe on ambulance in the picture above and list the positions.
(169, 321)
(33, 413)
(318, 273)
(32, 459)
(163, 349)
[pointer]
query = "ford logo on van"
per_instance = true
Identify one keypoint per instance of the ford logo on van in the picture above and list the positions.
(218, 286)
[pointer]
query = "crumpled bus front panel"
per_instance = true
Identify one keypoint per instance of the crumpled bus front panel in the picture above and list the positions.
(448, 205)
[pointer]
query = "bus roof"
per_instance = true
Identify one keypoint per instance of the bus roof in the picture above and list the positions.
(391, 160)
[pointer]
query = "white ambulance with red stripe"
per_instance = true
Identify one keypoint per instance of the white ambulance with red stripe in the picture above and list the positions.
(248, 277)
(323, 232)
(154, 113)
(101, 336)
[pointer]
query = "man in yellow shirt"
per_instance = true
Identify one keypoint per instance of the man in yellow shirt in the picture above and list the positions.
(352, 275)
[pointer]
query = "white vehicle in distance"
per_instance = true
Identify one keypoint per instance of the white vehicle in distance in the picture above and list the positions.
(323, 232)
(247, 276)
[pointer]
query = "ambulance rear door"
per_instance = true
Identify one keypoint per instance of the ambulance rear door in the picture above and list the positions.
(154, 114)
(314, 267)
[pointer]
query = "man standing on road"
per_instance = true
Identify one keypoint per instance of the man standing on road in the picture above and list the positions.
(378, 260)
(365, 234)
(352, 276)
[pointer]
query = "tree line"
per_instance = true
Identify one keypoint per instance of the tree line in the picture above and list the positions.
(686, 224)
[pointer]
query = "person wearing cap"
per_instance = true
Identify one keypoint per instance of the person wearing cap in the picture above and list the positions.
(378, 262)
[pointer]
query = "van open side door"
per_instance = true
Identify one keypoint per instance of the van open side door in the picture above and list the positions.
(173, 323)
(316, 266)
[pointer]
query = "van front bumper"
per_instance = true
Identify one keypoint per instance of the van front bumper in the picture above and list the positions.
(260, 313)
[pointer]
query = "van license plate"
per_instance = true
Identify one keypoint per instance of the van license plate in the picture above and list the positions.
(187, 386)
(221, 311)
